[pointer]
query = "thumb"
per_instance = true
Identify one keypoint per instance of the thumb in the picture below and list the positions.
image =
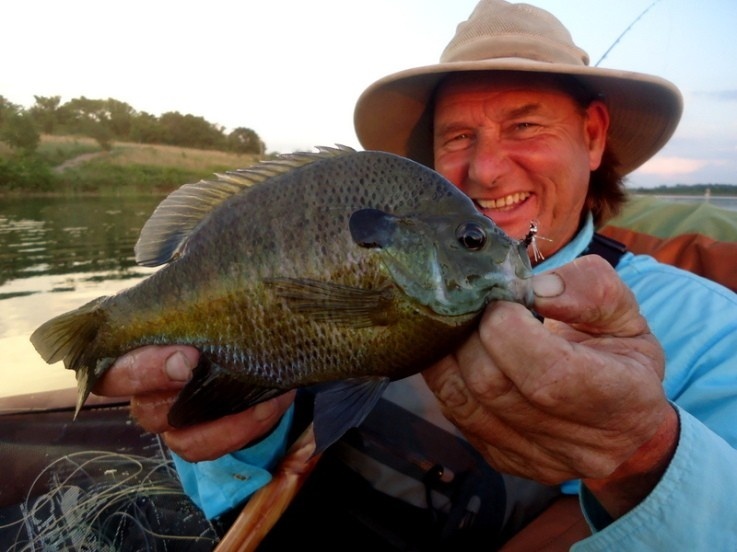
(589, 295)
(148, 369)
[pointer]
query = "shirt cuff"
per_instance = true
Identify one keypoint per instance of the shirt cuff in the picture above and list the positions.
(689, 509)
(217, 486)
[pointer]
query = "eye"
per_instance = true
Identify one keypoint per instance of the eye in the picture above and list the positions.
(457, 142)
(460, 137)
(471, 236)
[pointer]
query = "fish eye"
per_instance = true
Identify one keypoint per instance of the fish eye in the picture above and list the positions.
(471, 236)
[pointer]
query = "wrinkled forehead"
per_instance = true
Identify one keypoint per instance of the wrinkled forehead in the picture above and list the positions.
(490, 81)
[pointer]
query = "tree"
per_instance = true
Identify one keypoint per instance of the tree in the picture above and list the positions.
(83, 111)
(19, 131)
(120, 117)
(111, 119)
(6, 109)
(145, 128)
(103, 120)
(45, 112)
(102, 135)
(190, 131)
(245, 140)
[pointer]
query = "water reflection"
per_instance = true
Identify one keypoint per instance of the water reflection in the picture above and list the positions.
(63, 235)
(55, 255)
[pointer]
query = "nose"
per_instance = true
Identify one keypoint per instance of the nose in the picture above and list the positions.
(488, 162)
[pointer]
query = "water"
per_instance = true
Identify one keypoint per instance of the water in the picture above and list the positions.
(58, 253)
(55, 255)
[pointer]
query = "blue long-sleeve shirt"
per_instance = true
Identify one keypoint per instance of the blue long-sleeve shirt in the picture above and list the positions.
(692, 507)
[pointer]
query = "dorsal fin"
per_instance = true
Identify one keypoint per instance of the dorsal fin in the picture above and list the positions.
(164, 234)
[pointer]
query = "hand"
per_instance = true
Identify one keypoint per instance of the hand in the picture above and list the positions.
(152, 376)
(579, 396)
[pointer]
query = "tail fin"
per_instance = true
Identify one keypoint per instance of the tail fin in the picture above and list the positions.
(68, 337)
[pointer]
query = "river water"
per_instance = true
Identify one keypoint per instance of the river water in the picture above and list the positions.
(55, 255)
(58, 253)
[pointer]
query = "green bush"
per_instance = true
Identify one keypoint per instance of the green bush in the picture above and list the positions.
(105, 178)
(27, 173)
(19, 131)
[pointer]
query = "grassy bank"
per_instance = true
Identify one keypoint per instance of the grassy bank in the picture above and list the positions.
(77, 165)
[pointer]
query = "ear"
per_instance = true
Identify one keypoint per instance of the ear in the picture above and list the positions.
(596, 127)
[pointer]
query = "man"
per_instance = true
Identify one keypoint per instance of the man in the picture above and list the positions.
(625, 394)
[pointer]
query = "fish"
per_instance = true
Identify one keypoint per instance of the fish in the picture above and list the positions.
(333, 270)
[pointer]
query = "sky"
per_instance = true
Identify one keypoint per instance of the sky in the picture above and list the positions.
(291, 70)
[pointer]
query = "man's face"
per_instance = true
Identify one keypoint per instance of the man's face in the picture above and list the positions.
(522, 149)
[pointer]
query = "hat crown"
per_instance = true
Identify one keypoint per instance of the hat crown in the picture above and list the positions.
(500, 30)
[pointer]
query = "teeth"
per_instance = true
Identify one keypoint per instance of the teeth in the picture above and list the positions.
(502, 202)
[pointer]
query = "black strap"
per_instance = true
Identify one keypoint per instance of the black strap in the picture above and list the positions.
(611, 250)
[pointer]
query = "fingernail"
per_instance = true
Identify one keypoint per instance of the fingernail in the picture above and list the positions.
(178, 368)
(548, 285)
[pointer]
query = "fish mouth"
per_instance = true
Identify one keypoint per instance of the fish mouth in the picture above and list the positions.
(516, 279)
(504, 203)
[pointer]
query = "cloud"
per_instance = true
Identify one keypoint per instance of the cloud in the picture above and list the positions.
(673, 166)
(720, 95)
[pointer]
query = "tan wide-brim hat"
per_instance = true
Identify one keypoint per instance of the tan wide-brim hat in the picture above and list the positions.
(394, 113)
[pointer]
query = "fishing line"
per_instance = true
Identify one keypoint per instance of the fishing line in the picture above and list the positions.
(94, 500)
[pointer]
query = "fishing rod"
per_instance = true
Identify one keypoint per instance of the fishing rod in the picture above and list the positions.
(625, 32)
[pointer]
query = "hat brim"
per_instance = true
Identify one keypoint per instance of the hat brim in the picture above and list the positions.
(393, 114)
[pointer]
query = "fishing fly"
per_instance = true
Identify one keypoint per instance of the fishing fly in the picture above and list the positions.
(530, 242)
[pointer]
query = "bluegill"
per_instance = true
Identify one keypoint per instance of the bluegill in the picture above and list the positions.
(340, 268)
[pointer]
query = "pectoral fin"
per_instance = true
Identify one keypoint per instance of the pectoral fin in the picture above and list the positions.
(343, 405)
(330, 302)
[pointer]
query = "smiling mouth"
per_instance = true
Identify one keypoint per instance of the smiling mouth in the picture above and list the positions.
(503, 203)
